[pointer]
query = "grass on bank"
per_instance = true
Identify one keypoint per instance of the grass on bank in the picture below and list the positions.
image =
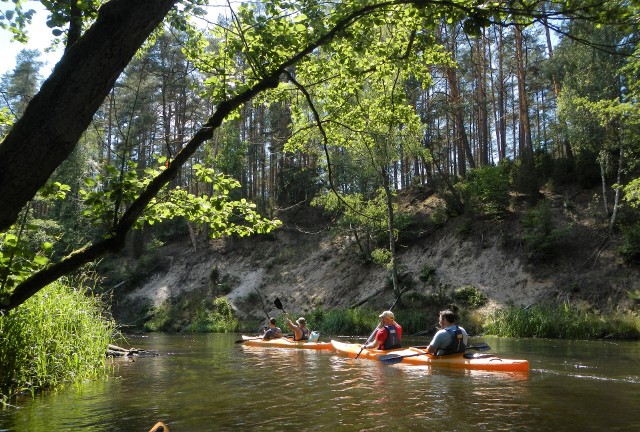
(59, 335)
(561, 322)
(539, 321)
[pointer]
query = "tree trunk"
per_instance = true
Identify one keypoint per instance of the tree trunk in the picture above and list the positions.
(458, 117)
(616, 200)
(603, 181)
(524, 124)
(483, 116)
(391, 227)
(63, 108)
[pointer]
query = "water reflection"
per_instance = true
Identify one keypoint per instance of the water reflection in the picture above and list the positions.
(208, 383)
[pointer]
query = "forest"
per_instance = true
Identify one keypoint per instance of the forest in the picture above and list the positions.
(183, 118)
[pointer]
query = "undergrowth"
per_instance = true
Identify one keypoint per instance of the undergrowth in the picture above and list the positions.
(195, 316)
(59, 335)
(560, 321)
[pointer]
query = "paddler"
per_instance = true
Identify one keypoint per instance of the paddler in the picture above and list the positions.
(451, 338)
(272, 332)
(389, 335)
(300, 330)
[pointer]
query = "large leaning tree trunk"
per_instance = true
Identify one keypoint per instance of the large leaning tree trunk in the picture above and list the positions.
(63, 108)
(61, 87)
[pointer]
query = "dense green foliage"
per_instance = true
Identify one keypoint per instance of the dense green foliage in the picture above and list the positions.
(560, 321)
(541, 236)
(191, 315)
(538, 321)
(344, 103)
(60, 335)
(485, 191)
(356, 99)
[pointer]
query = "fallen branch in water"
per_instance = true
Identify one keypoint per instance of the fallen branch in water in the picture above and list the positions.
(116, 351)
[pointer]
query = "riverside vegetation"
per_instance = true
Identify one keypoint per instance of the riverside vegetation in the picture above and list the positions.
(69, 329)
(412, 121)
(560, 321)
(58, 336)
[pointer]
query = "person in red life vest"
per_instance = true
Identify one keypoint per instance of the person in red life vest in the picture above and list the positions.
(389, 335)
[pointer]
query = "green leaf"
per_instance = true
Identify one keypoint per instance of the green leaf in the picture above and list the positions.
(10, 240)
(41, 260)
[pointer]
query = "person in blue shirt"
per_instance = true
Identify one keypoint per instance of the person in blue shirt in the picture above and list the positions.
(451, 338)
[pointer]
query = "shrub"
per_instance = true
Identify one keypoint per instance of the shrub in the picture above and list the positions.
(343, 322)
(59, 335)
(382, 257)
(630, 249)
(470, 296)
(524, 178)
(540, 236)
(486, 191)
(427, 273)
(214, 274)
(215, 316)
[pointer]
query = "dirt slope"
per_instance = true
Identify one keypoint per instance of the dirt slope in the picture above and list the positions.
(306, 265)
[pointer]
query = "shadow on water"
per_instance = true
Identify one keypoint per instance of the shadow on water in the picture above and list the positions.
(208, 383)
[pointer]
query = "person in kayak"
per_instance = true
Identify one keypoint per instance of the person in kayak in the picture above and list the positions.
(389, 335)
(300, 330)
(451, 338)
(272, 332)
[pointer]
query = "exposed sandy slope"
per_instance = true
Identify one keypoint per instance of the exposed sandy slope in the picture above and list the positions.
(308, 270)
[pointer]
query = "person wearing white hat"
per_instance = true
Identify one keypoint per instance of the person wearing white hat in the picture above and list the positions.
(300, 330)
(389, 335)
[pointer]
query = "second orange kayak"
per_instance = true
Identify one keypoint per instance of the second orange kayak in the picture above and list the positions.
(285, 343)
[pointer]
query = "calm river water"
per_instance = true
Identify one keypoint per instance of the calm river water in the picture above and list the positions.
(209, 383)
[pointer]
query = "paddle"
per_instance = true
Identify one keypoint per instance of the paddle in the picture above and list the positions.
(378, 326)
(397, 358)
(248, 339)
(278, 304)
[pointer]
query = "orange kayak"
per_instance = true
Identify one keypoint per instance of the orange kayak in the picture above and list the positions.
(285, 343)
(419, 357)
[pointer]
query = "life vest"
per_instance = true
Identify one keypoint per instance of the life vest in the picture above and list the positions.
(457, 342)
(393, 340)
(272, 333)
(305, 334)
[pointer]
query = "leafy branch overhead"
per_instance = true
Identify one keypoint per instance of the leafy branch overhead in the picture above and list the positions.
(360, 65)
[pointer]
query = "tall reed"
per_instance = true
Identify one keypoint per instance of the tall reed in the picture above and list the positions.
(362, 321)
(560, 321)
(59, 335)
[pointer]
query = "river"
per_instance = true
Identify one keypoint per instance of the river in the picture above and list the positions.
(209, 383)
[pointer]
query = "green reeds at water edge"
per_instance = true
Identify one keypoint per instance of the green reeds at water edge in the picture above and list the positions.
(361, 321)
(560, 321)
(59, 335)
